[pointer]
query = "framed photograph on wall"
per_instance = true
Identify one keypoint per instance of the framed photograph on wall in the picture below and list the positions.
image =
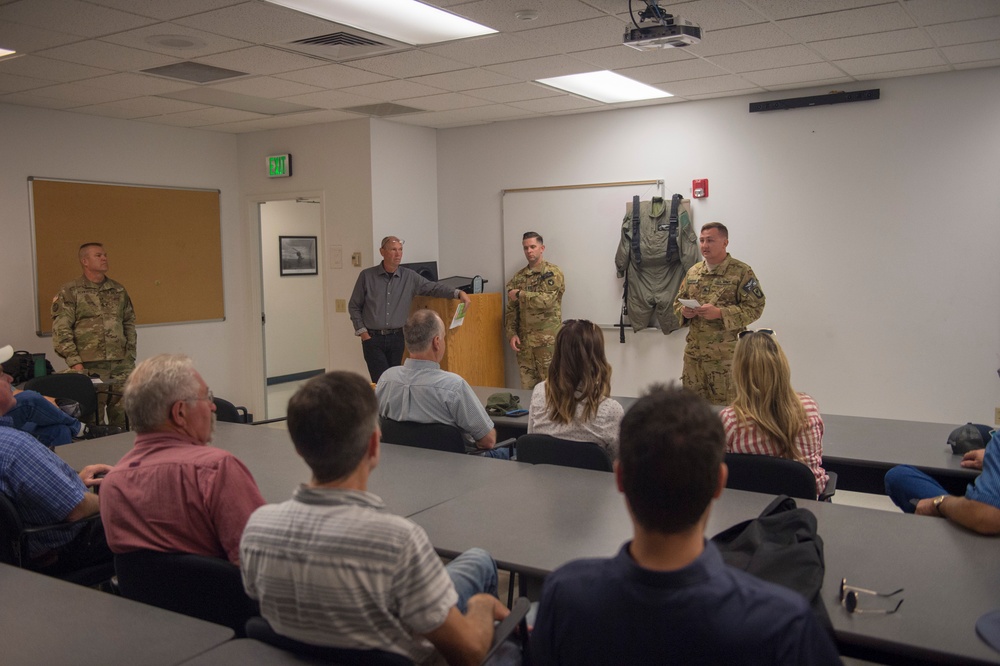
(298, 255)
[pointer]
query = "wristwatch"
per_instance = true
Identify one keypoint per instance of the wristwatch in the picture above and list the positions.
(937, 504)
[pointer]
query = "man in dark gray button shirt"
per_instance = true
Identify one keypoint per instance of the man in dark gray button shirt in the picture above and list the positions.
(381, 302)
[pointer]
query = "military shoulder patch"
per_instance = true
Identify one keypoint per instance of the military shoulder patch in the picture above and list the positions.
(753, 287)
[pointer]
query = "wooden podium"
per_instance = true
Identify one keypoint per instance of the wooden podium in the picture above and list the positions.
(474, 350)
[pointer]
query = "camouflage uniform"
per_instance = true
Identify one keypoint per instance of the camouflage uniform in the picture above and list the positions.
(733, 288)
(94, 324)
(535, 318)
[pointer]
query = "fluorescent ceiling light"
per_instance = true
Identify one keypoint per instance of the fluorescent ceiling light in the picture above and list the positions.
(605, 86)
(6, 52)
(402, 20)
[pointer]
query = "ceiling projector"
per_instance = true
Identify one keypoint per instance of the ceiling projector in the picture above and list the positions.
(671, 33)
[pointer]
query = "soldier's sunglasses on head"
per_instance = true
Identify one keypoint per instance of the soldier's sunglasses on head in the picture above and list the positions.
(765, 331)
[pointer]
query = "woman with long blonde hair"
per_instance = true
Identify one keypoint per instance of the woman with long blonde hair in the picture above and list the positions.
(768, 417)
(574, 403)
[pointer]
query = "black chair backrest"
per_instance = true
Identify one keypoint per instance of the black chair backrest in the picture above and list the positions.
(230, 413)
(436, 436)
(208, 588)
(771, 475)
(548, 450)
(259, 629)
(72, 385)
(11, 527)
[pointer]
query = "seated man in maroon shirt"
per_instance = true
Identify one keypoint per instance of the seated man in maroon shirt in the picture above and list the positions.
(172, 492)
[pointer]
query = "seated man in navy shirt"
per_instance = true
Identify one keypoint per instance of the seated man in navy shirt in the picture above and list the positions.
(668, 597)
(916, 492)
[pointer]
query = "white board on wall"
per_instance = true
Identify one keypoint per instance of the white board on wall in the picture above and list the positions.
(581, 226)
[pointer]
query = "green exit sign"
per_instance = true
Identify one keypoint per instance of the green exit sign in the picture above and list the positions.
(279, 166)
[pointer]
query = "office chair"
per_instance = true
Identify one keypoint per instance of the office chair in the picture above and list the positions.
(434, 436)
(72, 385)
(208, 588)
(548, 450)
(776, 476)
(14, 546)
(260, 629)
(230, 413)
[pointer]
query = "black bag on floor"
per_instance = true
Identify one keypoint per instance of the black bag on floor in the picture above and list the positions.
(21, 367)
(781, 546)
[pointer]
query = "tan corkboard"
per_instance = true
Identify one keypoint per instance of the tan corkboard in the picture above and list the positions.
(163, 244)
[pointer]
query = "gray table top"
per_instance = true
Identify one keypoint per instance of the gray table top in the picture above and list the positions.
(48, 621)
(560, 514)
(408, 479)
(248, 652)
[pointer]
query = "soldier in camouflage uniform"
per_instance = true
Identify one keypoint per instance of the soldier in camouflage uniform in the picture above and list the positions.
(93, 329)
(730, 298)
(534, 311)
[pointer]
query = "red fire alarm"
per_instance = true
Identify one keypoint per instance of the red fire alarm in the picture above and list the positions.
(699, 188)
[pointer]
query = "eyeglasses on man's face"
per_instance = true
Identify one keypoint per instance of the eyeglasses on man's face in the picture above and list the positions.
(849, 595)
(209, 397)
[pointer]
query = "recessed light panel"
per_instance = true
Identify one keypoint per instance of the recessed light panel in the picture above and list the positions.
(403, 20)
(605, 86)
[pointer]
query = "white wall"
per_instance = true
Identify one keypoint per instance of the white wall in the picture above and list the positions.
(56, 144)
(404, 188)
(873, 228)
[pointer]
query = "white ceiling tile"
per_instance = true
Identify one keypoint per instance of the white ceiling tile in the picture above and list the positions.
(560, 103)
(866, 45)
(717, 95)
(798, 74)
(978, 64)
(891, 62)
(16, 83)
(780, 56)
(783, 9)
(902, 72)
(491, 49)
(408, 63)
(813, 84)
(29, 39)
(30, 99)
(964, 32)
(211, 115)
(619, 57)
(392, 90)
(499, 14)
(541, 68)
(75, 18)
(267, 86)
(972, 52)
(442, 102)
(84, 94)
(707, 85)
(333, 76)
(331, 99)
(139, 107)
(206, 43)
(673, 71)
(261, 60)
(515, 92)
(109, 56)
(138, 84)
(51, 70)
(464, 79)
(847, 23)
(166, 10)
(259, 22)
(929, 12)
(714, 14)
(287, 120)
(578, 35)
(747, 38)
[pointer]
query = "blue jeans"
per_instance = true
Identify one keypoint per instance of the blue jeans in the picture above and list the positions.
(904, 483)
(44, 421)
(499, 454)
(472, 572)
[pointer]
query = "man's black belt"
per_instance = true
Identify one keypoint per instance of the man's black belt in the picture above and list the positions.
(386, 331)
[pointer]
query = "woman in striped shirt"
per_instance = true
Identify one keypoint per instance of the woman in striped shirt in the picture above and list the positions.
(768, 417)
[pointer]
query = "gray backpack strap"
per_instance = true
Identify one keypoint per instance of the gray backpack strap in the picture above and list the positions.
(636, 254)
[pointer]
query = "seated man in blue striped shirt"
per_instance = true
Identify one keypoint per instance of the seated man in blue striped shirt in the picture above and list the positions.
(332, 567)
(915, 492)
(420, 391)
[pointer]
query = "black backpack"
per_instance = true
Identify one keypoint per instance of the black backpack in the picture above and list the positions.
(781, 546)
(21, 366)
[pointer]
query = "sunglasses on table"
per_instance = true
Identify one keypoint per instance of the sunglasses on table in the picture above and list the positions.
(849, 598)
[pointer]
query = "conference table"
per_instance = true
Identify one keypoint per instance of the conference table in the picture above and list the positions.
(407, 479)
(949, 575)
(859, 449)
(48, 621)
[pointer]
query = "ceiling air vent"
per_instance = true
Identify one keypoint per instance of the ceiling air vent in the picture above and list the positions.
(345, 44)
(383, 109)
